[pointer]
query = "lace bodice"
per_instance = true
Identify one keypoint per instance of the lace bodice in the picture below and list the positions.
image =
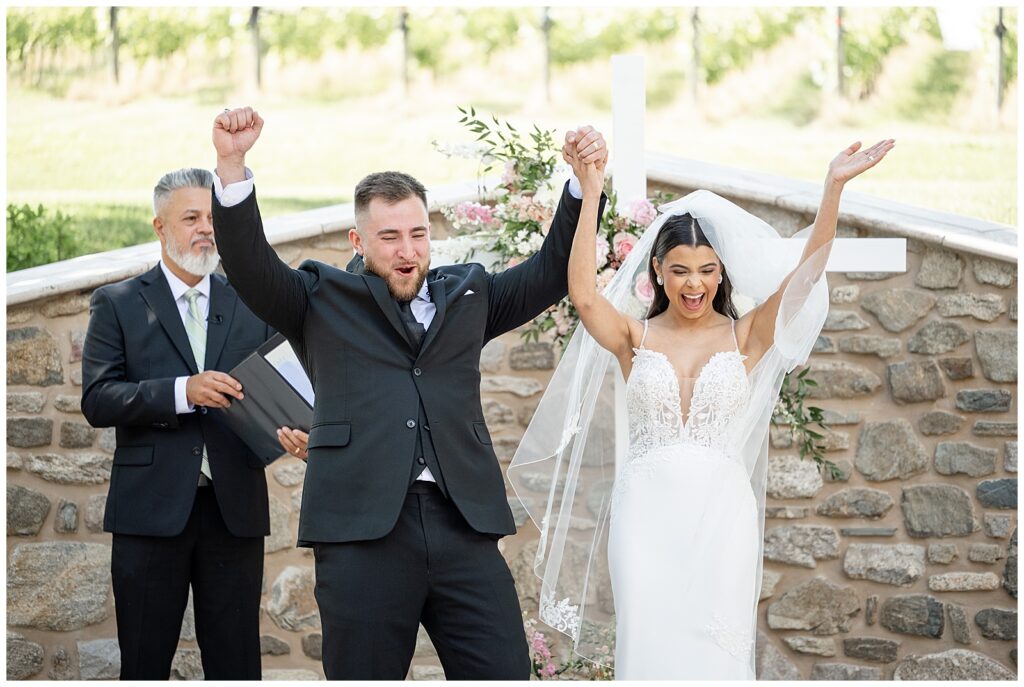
(720, 393)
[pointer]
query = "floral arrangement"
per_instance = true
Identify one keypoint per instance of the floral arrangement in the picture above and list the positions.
(546, 667)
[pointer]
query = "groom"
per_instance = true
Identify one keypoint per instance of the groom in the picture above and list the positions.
(403, 501)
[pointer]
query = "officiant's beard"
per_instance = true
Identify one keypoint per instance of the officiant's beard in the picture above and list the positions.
(200, 264)
(401, 288)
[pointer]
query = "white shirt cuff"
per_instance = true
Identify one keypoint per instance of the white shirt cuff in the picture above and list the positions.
(181, 404)
(575, 189)
(235, 193)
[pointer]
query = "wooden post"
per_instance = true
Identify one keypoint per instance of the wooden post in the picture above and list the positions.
(1000, 85)
(254, 33)
(695, 56)
(840, 54)
(545, 27)
(403, 26)
(115, 45)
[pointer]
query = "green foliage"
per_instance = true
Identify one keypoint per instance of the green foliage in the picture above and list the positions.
(731, 42)
(369, 29)
(294, 34)
(1010, 45)
(587, 34)
(35, 237)
(533, 162)
(936, 86)
(790, 409)
(156, 33)
(801, 100)
(494, 29)
(429, 34)
(871, 34)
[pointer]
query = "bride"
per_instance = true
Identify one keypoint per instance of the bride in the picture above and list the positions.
(652, 525)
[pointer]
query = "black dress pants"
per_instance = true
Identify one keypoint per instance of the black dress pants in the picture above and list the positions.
(434, 569)
(151, 577)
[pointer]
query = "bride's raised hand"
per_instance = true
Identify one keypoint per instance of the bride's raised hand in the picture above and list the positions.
(852, 161)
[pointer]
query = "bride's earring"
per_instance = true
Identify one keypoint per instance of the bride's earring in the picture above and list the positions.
(661, 282)
(719, 279)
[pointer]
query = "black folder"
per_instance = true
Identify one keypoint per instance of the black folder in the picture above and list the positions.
(271, 400)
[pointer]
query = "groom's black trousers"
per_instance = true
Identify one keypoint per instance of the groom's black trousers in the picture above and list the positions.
(434, 569)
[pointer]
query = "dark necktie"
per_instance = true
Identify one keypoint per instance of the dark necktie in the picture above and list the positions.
(413, 326)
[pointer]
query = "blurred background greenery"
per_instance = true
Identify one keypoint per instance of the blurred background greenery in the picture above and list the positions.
(102, 101)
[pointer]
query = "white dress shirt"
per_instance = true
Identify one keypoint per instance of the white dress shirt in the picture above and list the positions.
(178, 289)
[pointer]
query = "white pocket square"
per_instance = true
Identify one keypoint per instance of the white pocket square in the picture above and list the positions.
(469, 292)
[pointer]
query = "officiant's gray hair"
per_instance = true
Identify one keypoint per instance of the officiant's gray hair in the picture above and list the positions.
(186, 177)
(391, 187)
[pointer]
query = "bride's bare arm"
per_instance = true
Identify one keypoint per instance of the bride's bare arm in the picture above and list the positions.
(845, 166)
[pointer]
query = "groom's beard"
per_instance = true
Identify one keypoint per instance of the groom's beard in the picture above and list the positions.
(402, 288)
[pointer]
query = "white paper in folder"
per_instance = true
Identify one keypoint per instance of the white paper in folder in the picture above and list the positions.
(284, 360)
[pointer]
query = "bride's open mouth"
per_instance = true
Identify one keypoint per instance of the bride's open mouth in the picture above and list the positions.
(693, 302)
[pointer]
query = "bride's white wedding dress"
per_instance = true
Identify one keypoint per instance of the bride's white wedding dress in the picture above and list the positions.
(683, 542)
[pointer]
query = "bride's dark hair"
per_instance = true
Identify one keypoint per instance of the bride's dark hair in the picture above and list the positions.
(684, 230)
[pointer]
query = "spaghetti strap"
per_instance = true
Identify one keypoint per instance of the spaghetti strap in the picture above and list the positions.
(734, 340)
(644, 337)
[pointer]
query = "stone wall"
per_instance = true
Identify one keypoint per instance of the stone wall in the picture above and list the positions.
(905, 567)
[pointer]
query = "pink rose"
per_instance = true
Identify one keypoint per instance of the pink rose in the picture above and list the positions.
(641, 211)
(623, 243)
(604, 278)
(643, 289)
(602, 251)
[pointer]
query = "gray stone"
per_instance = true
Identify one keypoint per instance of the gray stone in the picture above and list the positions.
(287, 675)
(769, 580)
(913, 614)
(792, 477)
(985, 307)
(942, 553)
(937, 510)
(33, 358)
(1010, 456)
(519, 513)
(58, 585)
(24, 658)
(868, 276)
(815, 646)
(492, 356)
(873, 649)
(953, 664)
(75, 375)
(297, 501)
(896, 564)
(188, 621)
(14, 461)
(94, 509)
(844, 671)
(20, 315)
(843, 320)
(842, 380)
(532, 356)
(997, 352)
(291, 605)
(898, 309)
(1010, 571)
(281, 536)
(915, 382)
(871, 610)
(994, 428)
(835, 417)
(997, 493)
(77, 337)
(993, 273)
(29, 432)
(99, 659)
(847, 293)
(983, 400)
(290, 472)
(523, 387)
(867, 531)
(313, 645)
(939, 422)
(525, 414)
(68, 403)
(867, 344)
(273, 646)
(76, 435)
(108, 439)
(497, 413)
(801, 545)
(63, 306)
(889, 450)
(71, 468)
(963, 458)
(997, 525)
(1012, 314)
(30, 402)
(432, 673)
(541, 482)
(824, 344)
(505, 447)
(845, 468)
(187, 665)
(424, 647)
(61, 667)
(985, 553)
(771, 663)
(817, 605)
(780, 437)
(940, 269)
(938, 337)
(785, 512)
(963, 582)
(26, 511)
(856, 502)
(957, 368)
(958, 623)
(66, 519)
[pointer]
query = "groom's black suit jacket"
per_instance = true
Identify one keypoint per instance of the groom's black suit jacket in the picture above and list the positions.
(371, 381)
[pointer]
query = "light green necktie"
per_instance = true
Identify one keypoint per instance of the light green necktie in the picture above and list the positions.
(196, 330)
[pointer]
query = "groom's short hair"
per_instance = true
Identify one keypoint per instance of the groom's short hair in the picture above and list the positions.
(391, 187)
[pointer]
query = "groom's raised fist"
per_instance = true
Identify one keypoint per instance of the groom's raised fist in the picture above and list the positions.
(234, 133)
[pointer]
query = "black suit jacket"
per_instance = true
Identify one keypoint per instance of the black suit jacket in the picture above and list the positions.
(135, 347)
(370, 380)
